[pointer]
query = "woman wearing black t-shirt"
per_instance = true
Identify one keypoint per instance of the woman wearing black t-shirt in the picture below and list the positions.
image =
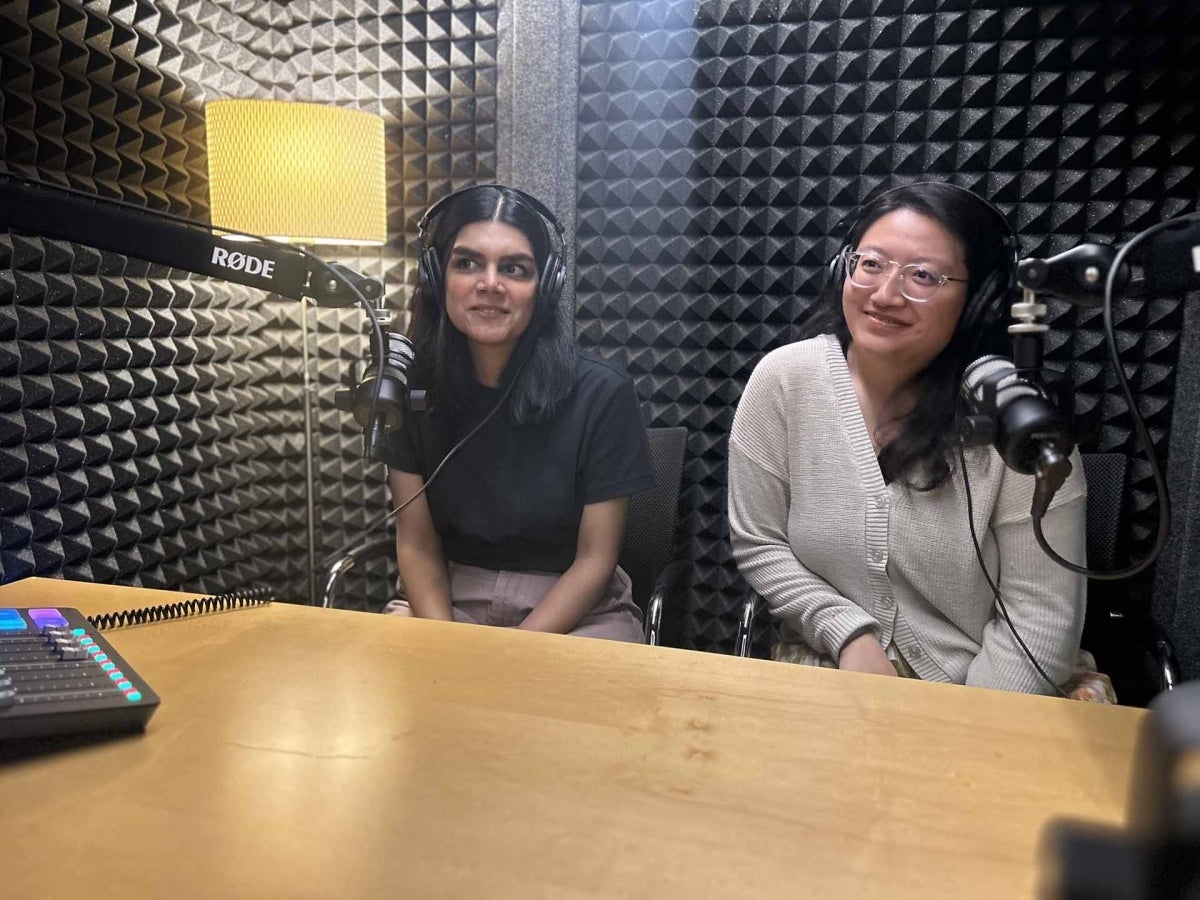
(523, 526)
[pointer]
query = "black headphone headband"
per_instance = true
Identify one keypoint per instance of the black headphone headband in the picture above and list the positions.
(553, 273)
(533, 203)
(1011, 241)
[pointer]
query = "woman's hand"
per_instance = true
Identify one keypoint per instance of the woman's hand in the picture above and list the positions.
(863, 654)
(419, 551)
(580, 588)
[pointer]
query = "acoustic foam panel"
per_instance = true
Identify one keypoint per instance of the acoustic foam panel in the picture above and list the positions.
(721, 145)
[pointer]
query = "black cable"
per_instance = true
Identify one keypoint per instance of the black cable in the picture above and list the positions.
(388, 516)
(962, 459)
(1139, 426)
(145, 615)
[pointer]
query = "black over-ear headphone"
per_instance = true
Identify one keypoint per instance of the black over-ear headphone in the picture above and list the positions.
(430, 265)
(991, 292)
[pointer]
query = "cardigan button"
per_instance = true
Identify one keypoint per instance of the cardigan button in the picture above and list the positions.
(876, 555)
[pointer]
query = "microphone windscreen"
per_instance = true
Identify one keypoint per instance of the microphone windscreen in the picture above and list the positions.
(998, 369)
(1172, 261)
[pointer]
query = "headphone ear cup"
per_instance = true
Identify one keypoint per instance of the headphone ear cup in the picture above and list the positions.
(988, 310)
(429, 275)
(837, 269)
(553, 276)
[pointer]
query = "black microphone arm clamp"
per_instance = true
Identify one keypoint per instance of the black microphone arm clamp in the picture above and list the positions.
(1077, 275)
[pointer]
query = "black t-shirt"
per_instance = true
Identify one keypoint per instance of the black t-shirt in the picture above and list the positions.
(512, 497)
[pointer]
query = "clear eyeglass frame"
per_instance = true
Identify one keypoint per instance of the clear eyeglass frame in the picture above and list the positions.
(853, 258)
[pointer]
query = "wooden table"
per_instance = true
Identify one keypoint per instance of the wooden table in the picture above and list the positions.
(302, 752)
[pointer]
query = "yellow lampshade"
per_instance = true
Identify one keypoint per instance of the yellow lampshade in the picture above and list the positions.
(299, 172)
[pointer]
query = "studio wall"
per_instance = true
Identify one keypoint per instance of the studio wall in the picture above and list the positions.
(721, 144)
(151, 421)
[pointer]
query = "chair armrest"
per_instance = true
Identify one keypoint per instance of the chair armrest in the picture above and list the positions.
(668, 583)
(1166, 665)
(745, 631)
(348, 560)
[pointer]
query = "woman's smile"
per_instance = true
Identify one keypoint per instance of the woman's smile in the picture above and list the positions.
(885, 320)
(489, 311)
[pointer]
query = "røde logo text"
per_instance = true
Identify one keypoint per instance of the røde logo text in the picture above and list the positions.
(243, 262)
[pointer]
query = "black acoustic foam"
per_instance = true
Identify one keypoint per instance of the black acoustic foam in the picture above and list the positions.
(721, 145)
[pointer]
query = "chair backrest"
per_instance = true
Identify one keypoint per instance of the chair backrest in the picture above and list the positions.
(1106, 475)
(650, 526)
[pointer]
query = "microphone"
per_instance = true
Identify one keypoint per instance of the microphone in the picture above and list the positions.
(391, 374)
(1013, 414)
(1172, 261)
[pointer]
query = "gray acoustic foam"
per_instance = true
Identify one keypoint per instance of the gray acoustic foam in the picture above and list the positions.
(145, 432)
(722, 144)
(151, 421)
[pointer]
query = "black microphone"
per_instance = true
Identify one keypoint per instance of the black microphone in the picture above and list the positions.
(1013, 414)
(391, 374)
(1172, 261)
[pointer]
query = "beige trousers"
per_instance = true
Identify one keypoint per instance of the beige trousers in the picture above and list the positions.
(501, 598)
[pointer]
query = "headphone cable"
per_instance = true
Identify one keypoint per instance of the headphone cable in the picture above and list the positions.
(988, 577)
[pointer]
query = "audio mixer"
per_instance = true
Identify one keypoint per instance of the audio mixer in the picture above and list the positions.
(58, 675)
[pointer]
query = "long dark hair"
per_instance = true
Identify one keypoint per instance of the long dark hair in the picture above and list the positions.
(921, 453)
(543, 363)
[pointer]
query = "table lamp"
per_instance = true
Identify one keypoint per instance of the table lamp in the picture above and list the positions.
(305, 173)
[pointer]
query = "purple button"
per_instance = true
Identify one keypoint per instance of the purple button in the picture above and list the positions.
(44, 618)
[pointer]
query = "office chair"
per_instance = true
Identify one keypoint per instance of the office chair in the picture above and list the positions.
(1106, 475)
(645, 549)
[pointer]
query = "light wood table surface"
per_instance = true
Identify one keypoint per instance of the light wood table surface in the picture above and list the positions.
(301, 752)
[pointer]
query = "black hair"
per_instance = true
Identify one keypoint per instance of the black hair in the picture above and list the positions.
(921, 453)
(543, 363)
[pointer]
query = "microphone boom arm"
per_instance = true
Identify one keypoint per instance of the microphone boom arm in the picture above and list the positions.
(271, 267)
(159, 237)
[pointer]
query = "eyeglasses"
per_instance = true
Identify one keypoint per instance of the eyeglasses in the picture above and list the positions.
(918, 282)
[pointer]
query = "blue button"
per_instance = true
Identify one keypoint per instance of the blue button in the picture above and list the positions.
(78, 632)
(133, 696)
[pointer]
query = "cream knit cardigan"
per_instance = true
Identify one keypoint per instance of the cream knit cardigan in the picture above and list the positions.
(834, 551)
